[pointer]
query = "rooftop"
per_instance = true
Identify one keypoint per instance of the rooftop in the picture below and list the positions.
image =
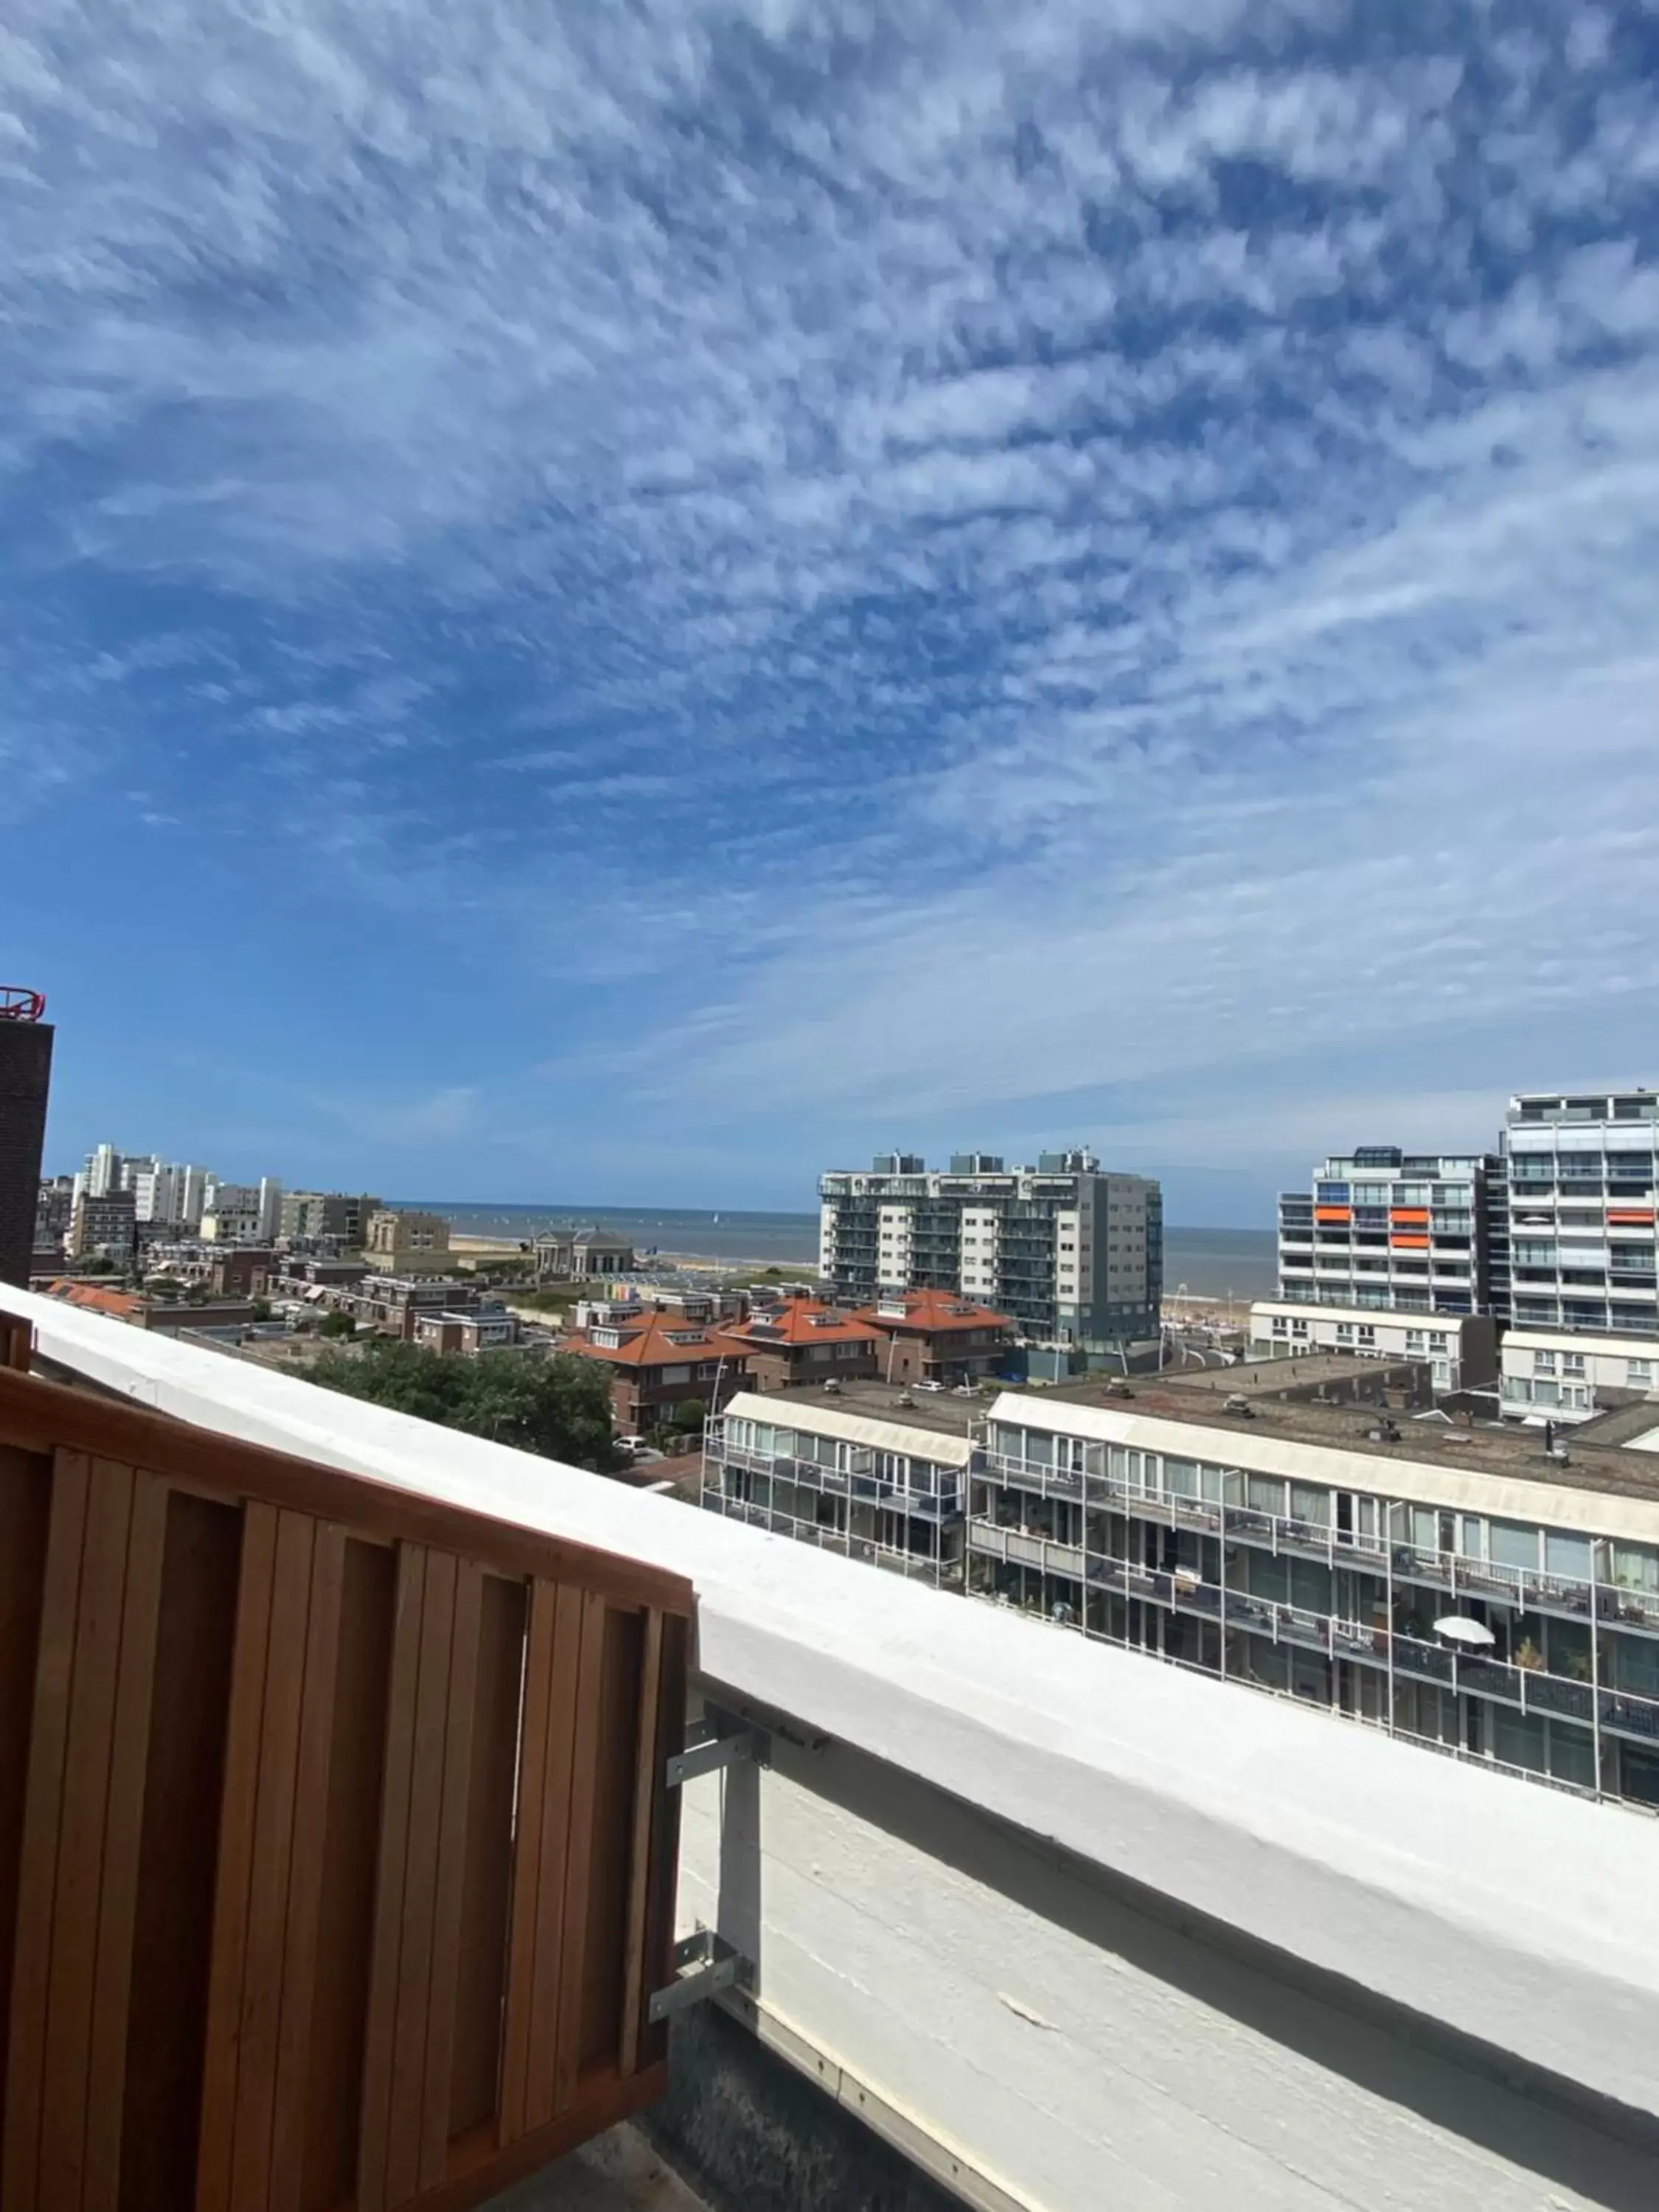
(647, 1339)
(934, 1313)
(942, 1411)
(798, 1322)
(1510, 1452)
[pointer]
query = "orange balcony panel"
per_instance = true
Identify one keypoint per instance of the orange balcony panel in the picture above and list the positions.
(1397, 1244)
(1637, 1216)
(1335, 1213)
(1401, 1214)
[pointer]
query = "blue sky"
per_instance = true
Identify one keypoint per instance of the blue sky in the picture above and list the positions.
(621, 602)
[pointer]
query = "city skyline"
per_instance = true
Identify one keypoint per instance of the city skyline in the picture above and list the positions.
(1022, 569)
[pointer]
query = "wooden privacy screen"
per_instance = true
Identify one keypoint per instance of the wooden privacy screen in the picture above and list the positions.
(337, 1862)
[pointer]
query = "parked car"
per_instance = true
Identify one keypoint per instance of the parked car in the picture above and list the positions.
(635, 1444)
(930, 1385)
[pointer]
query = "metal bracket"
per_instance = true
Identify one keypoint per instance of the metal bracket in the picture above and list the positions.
(720, 1742)
(703, 1964)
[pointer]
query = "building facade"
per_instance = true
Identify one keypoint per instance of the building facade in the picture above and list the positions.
(1300, 1553)
(25, 1083)
(802, 1340)
(657, 1364)
(1565, 1375)
(399, 1240)
(1073, 1255)
(585, 1255)
(1385, 1228)
(1462, 1349)
(935, 1336)
(103, 1225)
(853, 1477)
(1581, 1180)
(332, 1217)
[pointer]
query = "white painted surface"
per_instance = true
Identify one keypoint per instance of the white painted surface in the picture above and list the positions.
(1526, 1919)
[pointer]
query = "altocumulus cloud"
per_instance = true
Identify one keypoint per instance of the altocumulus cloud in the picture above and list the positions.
(1085, 551)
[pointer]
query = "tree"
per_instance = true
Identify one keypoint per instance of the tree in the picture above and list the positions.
(689, 1418)
(337, 1324)
(262, 1310)
(558, 1407)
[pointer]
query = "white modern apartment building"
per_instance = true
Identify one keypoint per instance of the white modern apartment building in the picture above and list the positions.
(1386, 1228)
(857, 1473)
(1580, 1211)
(172, 1195)
(1462, 1349)
(1566, 1374)
(1074, 1253)
(1460, 1587)
(241, 1213)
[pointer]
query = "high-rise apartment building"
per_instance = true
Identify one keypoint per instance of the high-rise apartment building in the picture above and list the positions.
(1579, 1204)
(25, 1080)
(1385, 1228)
(1073, 1254)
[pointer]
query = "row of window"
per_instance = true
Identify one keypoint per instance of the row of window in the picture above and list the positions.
(1362, 1332)
(1516, 1544)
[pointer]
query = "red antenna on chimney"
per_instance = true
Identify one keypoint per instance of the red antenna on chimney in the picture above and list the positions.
(18, 1004)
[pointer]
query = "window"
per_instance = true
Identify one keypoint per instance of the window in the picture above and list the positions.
(1281, 1326)
(1543, 1363)
(1367, 1333)
(1437, 1340)
(1572, 1363)
(1415, 1340)
(1640, 1374)
(1298, 1327)
(1344, 1332)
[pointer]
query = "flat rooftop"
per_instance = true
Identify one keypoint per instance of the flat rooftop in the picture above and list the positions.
(1513, 1452)
(941, 1410)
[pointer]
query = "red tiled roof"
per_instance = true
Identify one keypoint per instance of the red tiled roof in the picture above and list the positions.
(933, 1312)
(646, 1341)
(94, 1297)
(798, 1322)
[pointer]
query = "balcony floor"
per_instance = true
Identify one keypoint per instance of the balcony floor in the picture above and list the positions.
(618, 2172)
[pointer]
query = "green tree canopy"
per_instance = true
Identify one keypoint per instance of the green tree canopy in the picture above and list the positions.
(559, 1407)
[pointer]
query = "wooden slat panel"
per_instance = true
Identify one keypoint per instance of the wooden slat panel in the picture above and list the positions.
(304, 1870)
(350, 1856)
(167, 2024)
(647, 1756)
(81, 1836)
(380, 2032)
(268, 1881)
(579, 1866)
(235, 1868)
(25, 1521)
(481, 1956)
(555, 1856)
(123, 1835)
(415, 1940)
(38, 1855)
(619, 1706)
(528, 1810)
(449, 1887)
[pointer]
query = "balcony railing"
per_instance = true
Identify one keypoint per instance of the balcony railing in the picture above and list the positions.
(943, 1504)
(1525, 1589)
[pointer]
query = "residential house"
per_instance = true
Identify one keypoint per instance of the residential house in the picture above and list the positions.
(936, 1336)
(804, 1341)
(657, 1362)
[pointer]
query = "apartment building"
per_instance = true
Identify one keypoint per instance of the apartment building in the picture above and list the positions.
(331, 1217)
(398, 1239)
(1072, 1255)
(657, 1364)
(1462, 1349)
(1382, 1228)
(1580, 1184)
(1474, 1590)
(937, 1337)
(869, 1473)
(1568, 1376)
(104, 1224)
(804, 1341)
(25, 1084)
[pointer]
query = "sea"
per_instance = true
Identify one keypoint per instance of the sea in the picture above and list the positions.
(1215, 1263)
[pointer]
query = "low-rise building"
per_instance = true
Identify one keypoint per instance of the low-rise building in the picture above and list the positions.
(1571, 1374)
(487, 1327)
(398, 1239)
(1462, 1349)
(871, 1473)
(658, 1364)
(1468, 1589)
(804, 1341)
(567, 1255)
(244, 1272)
(937, 1336)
